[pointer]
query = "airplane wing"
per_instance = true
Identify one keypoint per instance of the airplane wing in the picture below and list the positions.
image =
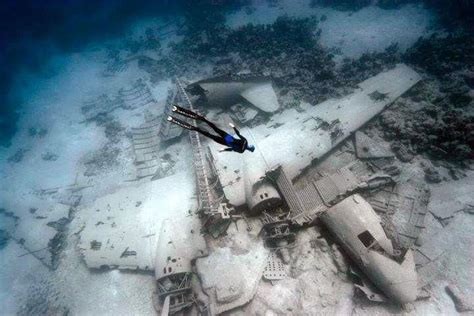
(262, 96)
(295, 139)
(122, 229)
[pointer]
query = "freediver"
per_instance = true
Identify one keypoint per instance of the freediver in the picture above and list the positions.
(233, 144)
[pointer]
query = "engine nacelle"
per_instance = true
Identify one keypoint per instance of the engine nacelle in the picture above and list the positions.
(262, 196)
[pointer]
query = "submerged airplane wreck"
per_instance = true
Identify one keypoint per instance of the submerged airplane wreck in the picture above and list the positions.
(368, 202)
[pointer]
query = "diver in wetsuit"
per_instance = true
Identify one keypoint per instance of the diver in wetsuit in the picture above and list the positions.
(233, 144)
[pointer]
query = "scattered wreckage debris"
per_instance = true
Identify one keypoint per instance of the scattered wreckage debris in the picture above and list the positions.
(162, 245)
(356, 177)
(32, 252)
(259, 185)
(58, 206)
(146, 143)
(275, 268)
(137, 96)
(173, 271)
(334, 197)
(277, 234)
(404, 205)
(365, 286)
(402, 152)
(147, 139)
(149, 161)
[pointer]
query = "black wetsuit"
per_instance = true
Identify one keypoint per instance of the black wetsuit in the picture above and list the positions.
(234, 144)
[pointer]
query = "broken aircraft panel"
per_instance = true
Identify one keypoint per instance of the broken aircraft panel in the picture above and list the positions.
(405, 206)
(36, 225)
(131, 226)
(275, 269)
(146, 145)
(234, 89)
(138, 236)
(365, 286)
(136, 96)
(173, 268)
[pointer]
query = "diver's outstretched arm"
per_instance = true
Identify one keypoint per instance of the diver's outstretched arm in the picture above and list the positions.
(238, 134)
(236, 131)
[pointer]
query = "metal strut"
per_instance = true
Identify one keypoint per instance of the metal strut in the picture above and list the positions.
(207, 204)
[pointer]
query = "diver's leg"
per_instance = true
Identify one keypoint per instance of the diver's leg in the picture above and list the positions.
(191, 114)
(181, 123)
(215, 138)
(186, 125)
(222, 133)
(186, 112)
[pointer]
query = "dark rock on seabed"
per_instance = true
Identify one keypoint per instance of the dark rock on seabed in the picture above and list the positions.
(49, 156)
(343, 5)
(4, 238)
(17, 156)
(101, 160)
(442, 55)
(437, 115)
(287, 49)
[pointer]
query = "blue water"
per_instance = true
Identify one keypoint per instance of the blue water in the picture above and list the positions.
(32, 31)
